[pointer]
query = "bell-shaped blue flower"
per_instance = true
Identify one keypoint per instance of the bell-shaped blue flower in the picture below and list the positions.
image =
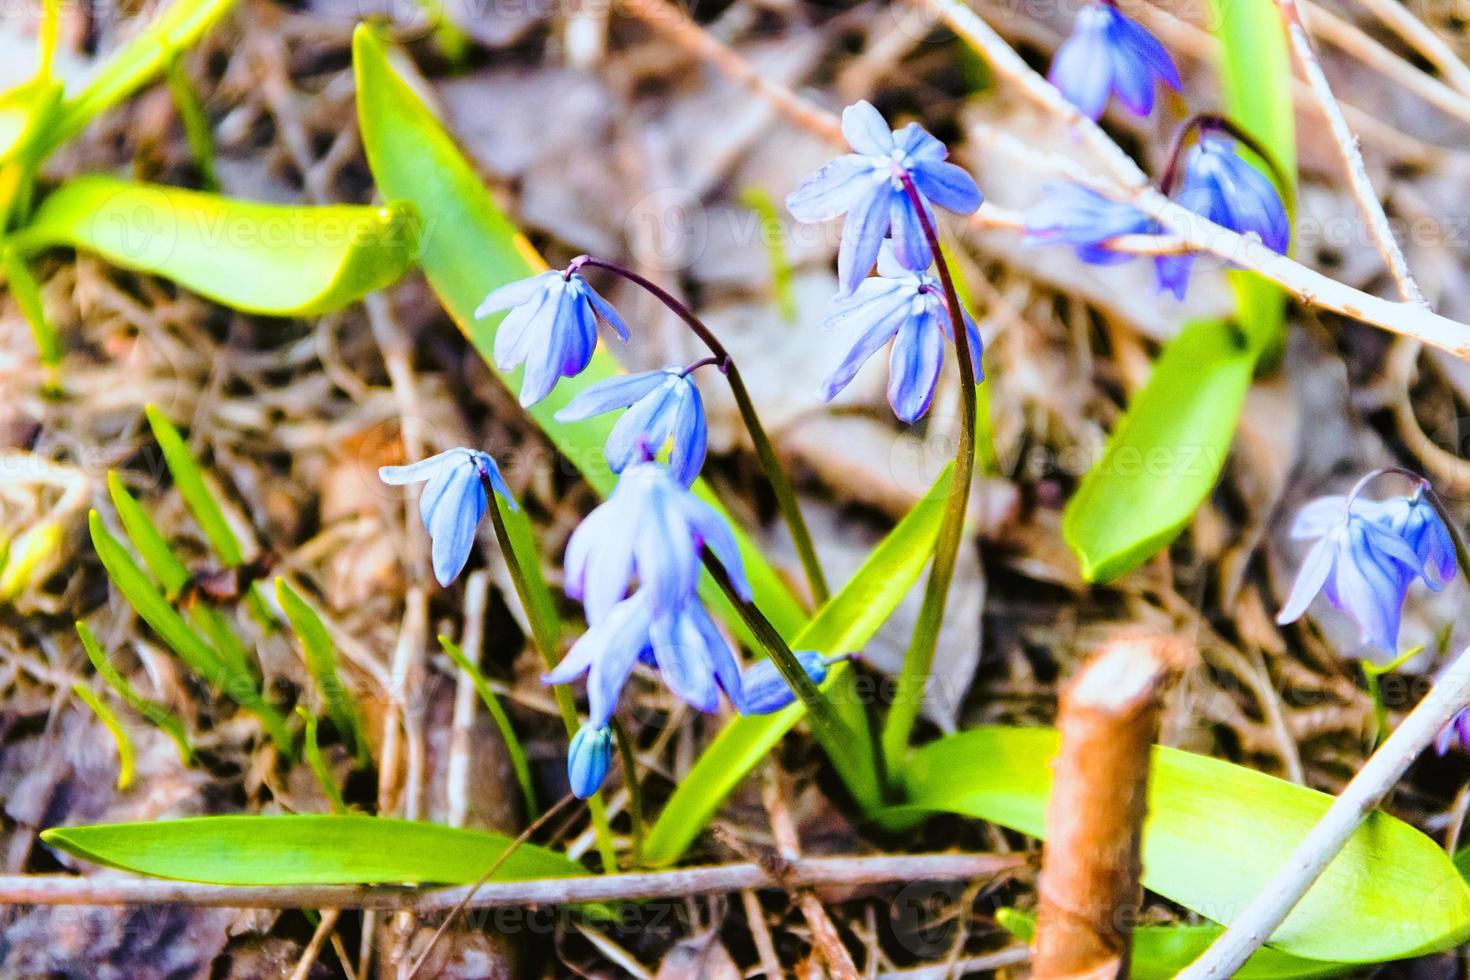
(1222, 186)
(1070, 214)
(867, 186)
(452, 503)
(551, 328)
(909, 309)
(691, 656)
(1109, 54)
(653, 528)
(1456, 731)
(1415, 520)
(766, 690)
(588, 759)
(1359, 562)
(663, 407)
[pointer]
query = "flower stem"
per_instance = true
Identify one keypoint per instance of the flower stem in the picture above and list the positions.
(635, 791)
(835, 734)
(766, 454)
(536, 600)
(920, 655)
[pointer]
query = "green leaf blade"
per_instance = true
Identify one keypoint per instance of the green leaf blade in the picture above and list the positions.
(1214, 836)
(1165, 455)
(844, 624)
(308, 849)
(320, 654)
(276, 260)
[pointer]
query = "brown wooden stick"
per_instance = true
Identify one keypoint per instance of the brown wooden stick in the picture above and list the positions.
(120, 889)
(1089, 885)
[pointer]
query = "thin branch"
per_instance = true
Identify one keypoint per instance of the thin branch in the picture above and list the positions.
(1352, 155)
(1424, 40)
(118, 889)
(1274, 902)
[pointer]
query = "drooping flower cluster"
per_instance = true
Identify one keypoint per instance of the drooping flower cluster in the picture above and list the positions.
(1366, 555)
(877, 187)
(1109, 54)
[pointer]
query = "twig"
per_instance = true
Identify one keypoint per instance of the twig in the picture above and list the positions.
(1254, 926)
(681, 30)
(1352, 156)
(1089, 887)
(788, 845)
(314, 948)
(119, 889)
(476, 595)
(1005, 62)
(1423, 39)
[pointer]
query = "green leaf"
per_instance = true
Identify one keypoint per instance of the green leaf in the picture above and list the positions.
(1161, 952)
(156, 713)
(147, 539)
(508, 735)
(470, 247)
(1165, 455)
(180, 637)
(1214, 836)
(318, 762)
(108, 717)
(308, 849)
(844, 624)
(189, 480)
(135, 64)
(1256, 75)
(321, 660)
(272, 259)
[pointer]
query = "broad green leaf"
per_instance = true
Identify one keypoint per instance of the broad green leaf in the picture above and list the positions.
(1161, 952)
(1165, 455)
(203, 659)
(1215, 834)
(323, 849)
(108, 717)
(272, 259)
(135, 64)
(321, 660)
(844, 624)
(156, 713)
(470, 247)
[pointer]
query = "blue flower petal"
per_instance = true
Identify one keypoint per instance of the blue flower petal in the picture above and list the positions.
(712, 531)
(683, 661)
(910, 244)
(913, 367)
(515, 294)
(766, 690)
(453, 521)
(1083, 67)
(862, 236)
(609, 394)
(624, 636)
(835, 189)
(865, 130)
(947, 185)
(689, 437)
(608, 313)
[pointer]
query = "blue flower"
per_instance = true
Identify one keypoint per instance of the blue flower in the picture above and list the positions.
(452, 503)
(766, 690)
(650, 526)
(908, 308)
(1222, 186)
(1457, 729)
(1108, 54)
(867, 186)
(691, 656)
(1415, 520)
(1070, 214)
(663, 406)
(588, 758)
(551, 328)
(1359, 562)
